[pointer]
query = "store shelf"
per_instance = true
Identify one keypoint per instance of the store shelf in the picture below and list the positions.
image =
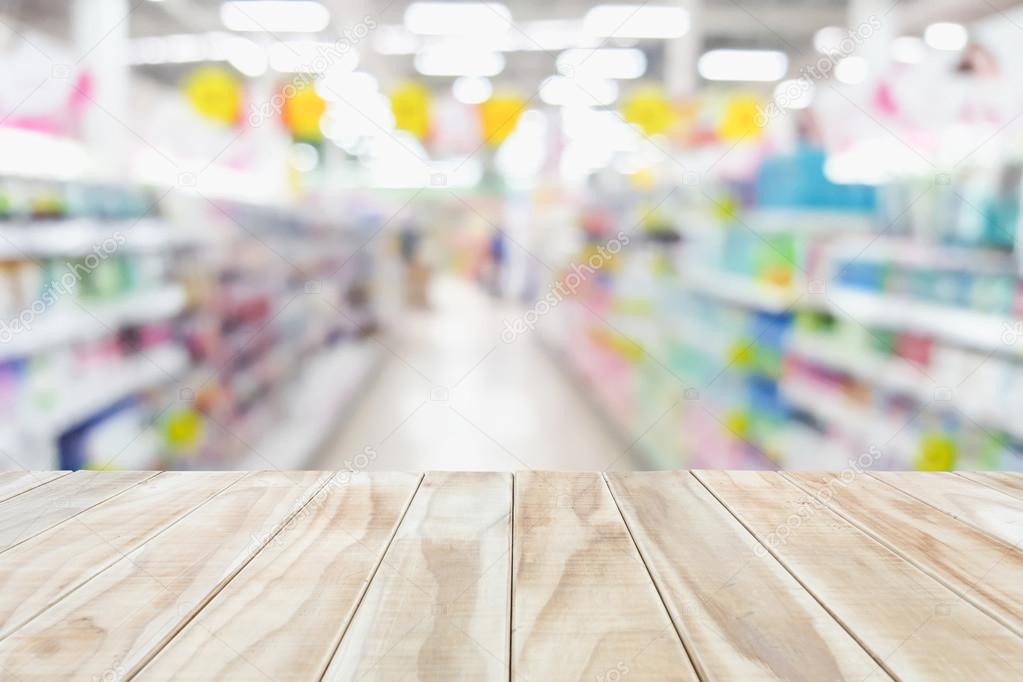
(744, 291)
(895, 375)
(592, 393)
(889, 433)
(322, 396)
(980, 331)
(77, 238)
(72, 324)
(788, 221)
(102, 388)
(913, 253)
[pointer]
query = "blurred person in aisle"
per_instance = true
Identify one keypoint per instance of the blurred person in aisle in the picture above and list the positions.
(496, 262)
(416, 271)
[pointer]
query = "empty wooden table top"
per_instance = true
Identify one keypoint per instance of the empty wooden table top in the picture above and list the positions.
(493, 576)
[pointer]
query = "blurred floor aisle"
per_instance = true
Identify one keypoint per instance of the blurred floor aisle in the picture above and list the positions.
(452, 395)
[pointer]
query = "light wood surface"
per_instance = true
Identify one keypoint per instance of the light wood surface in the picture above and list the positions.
(999, 480)
(16, 482)
(114, 623)
(532, 576)
(439, 605)
(583, 602)
(301, 590)
(996, 513)
(913, 625)
(45, 506)
(783, 633)
(967, 560)
(44, 569)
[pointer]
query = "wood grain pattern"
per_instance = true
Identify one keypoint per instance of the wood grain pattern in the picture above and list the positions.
(583, 603)
(113, 624)
(43, 507)
(709, 569)
(996, 513)
(970, 562)
(1009, 483)
(282, 616)
(16, 482)
(915, 626)
(479, 576)
(42, 570)
(438, 607)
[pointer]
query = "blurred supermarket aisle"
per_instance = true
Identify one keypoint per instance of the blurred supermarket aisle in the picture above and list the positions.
(454, 396)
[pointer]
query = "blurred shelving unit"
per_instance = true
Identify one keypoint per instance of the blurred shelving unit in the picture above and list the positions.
(764, 334)
(172, 334)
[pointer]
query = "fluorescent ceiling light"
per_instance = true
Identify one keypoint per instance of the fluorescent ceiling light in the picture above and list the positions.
(275, 16)
(908, 50)
(243, 54)
(743, 65)
(458, 18)
(828, 40)
(946, 35)
(310, 56)
(562, 91)
(471, 89)
(392, 39)
(457, 60)
(637, 21)
(549, 34)
(619, 63)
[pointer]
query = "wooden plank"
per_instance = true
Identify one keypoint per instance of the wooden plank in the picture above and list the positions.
(740, 613)
(284, 613)
(16, 482)
(439, 605)
(994, 512)
(110, 626)
(915, 626)
(1010, 483)
(42, 508)
(970, 562)
(584, 607)
(40, 571)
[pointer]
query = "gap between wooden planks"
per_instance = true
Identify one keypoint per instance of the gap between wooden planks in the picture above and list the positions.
(532, 576)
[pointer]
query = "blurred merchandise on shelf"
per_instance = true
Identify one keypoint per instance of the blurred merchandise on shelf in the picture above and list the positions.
(165, 331)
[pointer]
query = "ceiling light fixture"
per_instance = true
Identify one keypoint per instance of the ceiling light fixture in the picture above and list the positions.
(743, 65)
(946, 36)
(478, 19)
(617, 63)
(275, 16)
(457, 60)
(637, 21)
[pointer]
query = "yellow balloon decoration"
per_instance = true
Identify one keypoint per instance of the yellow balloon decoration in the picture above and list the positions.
(650, 109)
(739, 121)
(499, 116)
(215, 93)
(302, 114)
(410, 104)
